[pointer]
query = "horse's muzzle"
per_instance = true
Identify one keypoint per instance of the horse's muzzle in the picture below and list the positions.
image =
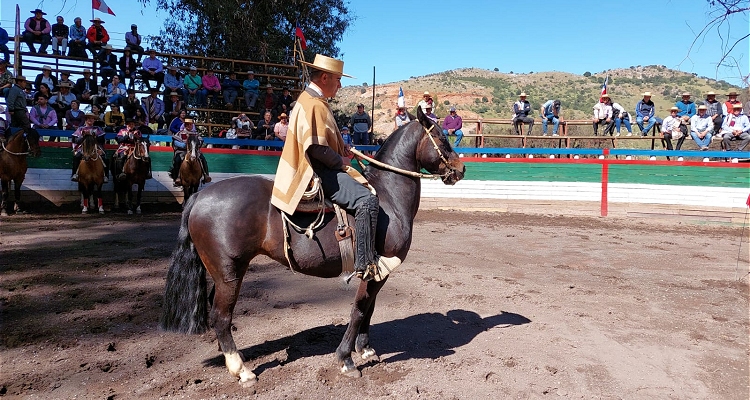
(457, 171)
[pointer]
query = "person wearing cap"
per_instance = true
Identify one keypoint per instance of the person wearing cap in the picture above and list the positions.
(550, 112)
(15, 103)
(107, 64)
(116, 91)
(179, 140)
(426, 100)
(670, 129)
(74, 117)
(88, 128)
(46, 77)
(402, 117)
(212, 86)
(128, 66)
(603, 115)
(173, 84)
(62, 102)
(98, 37)
(645, 112)
(252, 90)
(736, 127)
(152, 69)
(60, 37)
(42, 115)
(77, 39)
(133, 40)
(4, 39)
(521, 111)
(360, 124)
(37, 30)
(85, 87)
(728, 107)
(429, 114)
(6, 78)
(231, 89)
(281, 128)
(714, 110)
(346, 135)
(173, 107)
(314, 146)
(154, 109)
(452, 125)
(268, 100)
(195, 94)
(701, 128)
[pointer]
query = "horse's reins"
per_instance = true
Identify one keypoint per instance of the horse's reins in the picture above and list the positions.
(96, 152)
(389, 167)
(28, 145)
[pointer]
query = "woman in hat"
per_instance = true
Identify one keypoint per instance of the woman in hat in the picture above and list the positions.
(88, 128)
(46, 77)
(37, 30)
(97, 36)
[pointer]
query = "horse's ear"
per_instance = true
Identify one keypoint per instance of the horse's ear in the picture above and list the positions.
(426, 122)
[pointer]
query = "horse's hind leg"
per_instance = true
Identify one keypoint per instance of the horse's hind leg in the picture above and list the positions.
(358, 330)
(225, 298)
(5, 185)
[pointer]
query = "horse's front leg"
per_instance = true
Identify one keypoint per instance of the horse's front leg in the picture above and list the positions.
(99, 200)
(362, 344)
(17, 193)
(3, 203)
(364, 304)
(138, 199)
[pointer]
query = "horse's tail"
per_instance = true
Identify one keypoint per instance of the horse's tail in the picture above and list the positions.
(185, 303)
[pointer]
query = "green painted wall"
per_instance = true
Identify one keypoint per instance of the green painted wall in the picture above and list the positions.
(516, 171)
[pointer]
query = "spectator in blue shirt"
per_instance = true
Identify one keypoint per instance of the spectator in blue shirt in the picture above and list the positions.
(231, 87)
(77, 39)
(252, 90)
(4, 44)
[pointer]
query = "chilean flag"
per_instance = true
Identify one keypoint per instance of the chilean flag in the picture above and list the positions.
(401, 101)
(604, 88)
(101, 6)
(301, 36)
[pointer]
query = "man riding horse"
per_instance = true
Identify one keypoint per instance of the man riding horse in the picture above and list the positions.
(126, 139)
(314, 146)
(179, 140)
(88, 128)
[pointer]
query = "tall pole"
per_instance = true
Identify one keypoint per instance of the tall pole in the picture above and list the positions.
(372, 109)
(17, 50)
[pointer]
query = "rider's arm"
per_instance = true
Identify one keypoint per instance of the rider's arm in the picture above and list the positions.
(325, 156)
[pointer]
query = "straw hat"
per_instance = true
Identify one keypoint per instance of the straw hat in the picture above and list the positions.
(426, 93)
(737, 106)
(65, 85)
(710, 94)
(174, 94)
(604, 95)
(702, 107)
(674, 109)
(251, 72)
(327, 64)
(733, 93)
(646, 94)
(282, 116)
(91, 115)
(97, 19)
(686, 94)
(522, 94)
(47, 67)
(189, 120)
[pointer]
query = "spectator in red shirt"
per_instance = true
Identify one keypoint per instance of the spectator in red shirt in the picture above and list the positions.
(97, 36)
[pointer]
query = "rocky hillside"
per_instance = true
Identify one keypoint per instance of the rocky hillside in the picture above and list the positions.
(490, 94)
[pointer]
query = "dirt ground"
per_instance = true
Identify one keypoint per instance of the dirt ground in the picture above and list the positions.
(487, 306)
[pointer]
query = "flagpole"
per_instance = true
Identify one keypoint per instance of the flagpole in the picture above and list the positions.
(17, 39)
(372, 110)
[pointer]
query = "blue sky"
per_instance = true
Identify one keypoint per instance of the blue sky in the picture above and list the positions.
(403, 38)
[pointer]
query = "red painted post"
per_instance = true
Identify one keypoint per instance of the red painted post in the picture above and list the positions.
(605, 182)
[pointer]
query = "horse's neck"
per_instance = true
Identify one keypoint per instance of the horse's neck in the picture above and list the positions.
(16, 144)
(402, 192)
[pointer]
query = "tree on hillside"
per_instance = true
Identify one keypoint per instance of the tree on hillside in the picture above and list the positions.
(721, 16)
(257, 30)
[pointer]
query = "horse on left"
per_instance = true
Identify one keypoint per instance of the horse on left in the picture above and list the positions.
(13, 165)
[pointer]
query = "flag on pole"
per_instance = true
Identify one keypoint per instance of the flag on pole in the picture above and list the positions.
(604, 88)
(101, 6)
(401, 102)
(301, 36)
(748, 200)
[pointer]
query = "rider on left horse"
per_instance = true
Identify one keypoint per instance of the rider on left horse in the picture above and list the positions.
(88, 128)
(126, 139)
(179, 140)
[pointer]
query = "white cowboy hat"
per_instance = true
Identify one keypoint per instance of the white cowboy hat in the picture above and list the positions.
(327, 64)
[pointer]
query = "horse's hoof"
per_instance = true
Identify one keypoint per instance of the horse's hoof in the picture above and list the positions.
(369, 354)
(130, 212)
(84, 210)
(3, 213)
(351, 372)
(247, 379)
(101, 210)
(138, 211)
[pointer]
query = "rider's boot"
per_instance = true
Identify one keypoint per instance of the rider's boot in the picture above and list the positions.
(365, 223)
(175, 166)
(76, 163)
(204, 164)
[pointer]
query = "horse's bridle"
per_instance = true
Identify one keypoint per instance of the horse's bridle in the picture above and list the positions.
(28, 146)
(96, 151)
(401, 171)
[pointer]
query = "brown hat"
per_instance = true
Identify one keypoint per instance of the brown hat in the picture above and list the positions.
(604, 95)
(327, 64)
(20, 78)
(733, 93)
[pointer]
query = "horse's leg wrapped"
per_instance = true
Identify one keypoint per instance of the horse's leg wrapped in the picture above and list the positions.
(225, 298)
(365, 222)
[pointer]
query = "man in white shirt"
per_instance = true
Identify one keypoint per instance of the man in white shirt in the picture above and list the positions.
(736, 127)
(670, 129)
(701, 128)
(603, 116)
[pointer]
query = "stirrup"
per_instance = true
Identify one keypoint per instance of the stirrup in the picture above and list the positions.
(74, 177)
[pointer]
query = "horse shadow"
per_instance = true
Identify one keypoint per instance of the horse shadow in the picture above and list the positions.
(427, 335)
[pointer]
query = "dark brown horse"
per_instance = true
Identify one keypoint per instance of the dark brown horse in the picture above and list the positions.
(227, 224)
(190, 169)
(91, 174)
(13, 164)
(136, 170)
